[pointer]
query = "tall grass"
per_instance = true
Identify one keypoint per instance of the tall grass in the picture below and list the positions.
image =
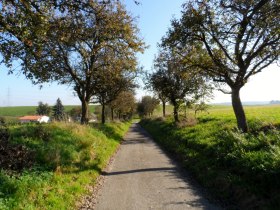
(241, 169)
(68, 158)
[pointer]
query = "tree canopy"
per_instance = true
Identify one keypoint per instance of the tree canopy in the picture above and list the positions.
(43, 109)
(124, 105)
(114, 78)
(147, 105)
(73, 44)
(176, 81)
(58, 111)
(238, 39)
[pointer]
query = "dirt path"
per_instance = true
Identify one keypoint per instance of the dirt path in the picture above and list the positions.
(143, 177)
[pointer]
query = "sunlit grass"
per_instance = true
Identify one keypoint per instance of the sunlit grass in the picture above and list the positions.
(68, 158)
(240, 168)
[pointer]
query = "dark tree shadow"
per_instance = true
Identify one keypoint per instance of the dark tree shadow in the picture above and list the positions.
(172, 169)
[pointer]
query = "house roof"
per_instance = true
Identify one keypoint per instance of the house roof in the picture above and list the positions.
(31, 117)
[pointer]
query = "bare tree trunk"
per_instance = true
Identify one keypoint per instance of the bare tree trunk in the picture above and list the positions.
(238, 110)
(85, 111)
(163, 108)
(103, 114)
(175, 112)
(112, 114)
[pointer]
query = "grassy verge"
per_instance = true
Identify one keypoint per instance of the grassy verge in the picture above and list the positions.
(68, 157)
(241, 169)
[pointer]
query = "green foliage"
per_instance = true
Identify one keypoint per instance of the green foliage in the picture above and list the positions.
(124, 105)
(75, 113)
(200, 107)
(71, 42)
(147, 106)
(43, 109)
(175, 81)
(240, 168)
(229, 41)
(68, 158)
(58, 111)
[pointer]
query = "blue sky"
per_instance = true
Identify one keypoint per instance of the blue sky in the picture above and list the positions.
(153, 20)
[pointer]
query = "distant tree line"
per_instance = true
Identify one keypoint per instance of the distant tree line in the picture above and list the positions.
(122, 108)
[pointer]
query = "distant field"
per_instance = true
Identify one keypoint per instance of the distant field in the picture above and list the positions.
(264, 113)
(18, 111)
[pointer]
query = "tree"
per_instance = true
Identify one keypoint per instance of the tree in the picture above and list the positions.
(175, 80)
(43, 109)
(76, 42)
(58, 111)
(75, 113)
(153, 83)
(24, 26)
(239, 38)
(147, 106)
(200, 107)
(113, 79)
(124, 105)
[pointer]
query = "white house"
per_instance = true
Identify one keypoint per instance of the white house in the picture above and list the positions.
(35, 118)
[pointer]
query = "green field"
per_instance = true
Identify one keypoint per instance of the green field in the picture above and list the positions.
(18, 111)
(267, 113)
(241, 170)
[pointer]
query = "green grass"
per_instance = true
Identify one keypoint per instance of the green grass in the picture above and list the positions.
(18, 111)
(68, 158)
(241, 169)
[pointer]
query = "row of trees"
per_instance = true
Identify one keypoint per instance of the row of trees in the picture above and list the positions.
(224, 41)
(89, 45)
(123, 107)
(176, 82)
(147, 105)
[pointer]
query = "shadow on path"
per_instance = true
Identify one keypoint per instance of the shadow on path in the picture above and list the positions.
(172, 169)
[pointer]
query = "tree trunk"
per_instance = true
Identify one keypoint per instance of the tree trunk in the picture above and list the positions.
(103, 114)
(112, 114)
(238, 110)
(85, 111)
(175, 112)
(163, 108)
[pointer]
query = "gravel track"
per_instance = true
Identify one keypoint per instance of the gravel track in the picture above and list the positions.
(141, 176)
